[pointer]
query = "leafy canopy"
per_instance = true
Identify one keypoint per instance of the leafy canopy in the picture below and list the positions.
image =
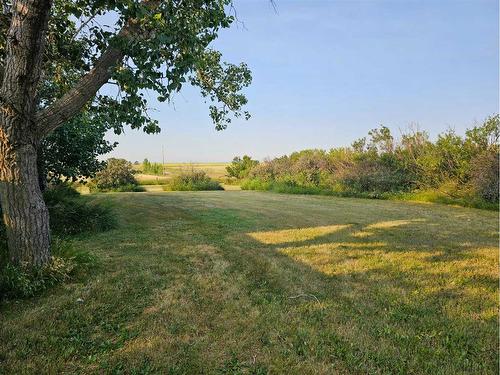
(167, 46)
(164, 46)
(71, 152)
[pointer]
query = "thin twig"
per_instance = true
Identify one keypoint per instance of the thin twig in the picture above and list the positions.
(82, 25)
(273, 4)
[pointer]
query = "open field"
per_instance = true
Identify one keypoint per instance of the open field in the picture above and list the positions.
(251, 282)
(213, 170)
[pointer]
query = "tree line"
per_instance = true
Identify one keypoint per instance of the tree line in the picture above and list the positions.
(454, 167)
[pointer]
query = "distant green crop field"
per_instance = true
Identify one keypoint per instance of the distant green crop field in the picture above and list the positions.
(245, 282)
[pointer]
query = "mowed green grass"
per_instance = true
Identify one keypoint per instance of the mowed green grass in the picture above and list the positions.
(255, 283)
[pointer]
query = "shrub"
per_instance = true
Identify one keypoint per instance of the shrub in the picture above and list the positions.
(192, 181)
(72, 214)
(372, 176)
(485, 177)
(240, 167)
(117, 176)
(256, 184)
(58, 192)
(453, 169)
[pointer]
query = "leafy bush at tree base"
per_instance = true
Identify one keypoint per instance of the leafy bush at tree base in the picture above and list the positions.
(72, 214)
(22, 282)
(194, 180)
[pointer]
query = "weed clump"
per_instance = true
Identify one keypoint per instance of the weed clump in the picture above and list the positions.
(21, 281)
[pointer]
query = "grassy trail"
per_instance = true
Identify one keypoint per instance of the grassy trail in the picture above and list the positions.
(248, 282)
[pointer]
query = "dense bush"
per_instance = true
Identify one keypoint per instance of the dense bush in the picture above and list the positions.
(462, 170)
(72, 214)
(484, 175)
(192, 181)
(117, 176)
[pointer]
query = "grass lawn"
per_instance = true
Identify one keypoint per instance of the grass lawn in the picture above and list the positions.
(251, 282)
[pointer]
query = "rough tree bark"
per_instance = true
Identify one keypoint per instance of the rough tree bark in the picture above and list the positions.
(24, 212)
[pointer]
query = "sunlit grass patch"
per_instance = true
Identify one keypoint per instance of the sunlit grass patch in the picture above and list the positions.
(294, 235)
(391, 224)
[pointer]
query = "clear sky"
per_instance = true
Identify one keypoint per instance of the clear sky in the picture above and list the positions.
(326, 72)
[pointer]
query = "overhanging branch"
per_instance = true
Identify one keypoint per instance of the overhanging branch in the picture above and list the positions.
(63, 109)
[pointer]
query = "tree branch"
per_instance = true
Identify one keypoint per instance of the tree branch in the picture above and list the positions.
(73, 101)
(50, 118)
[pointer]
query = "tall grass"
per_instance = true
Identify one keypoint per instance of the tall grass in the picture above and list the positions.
(429, 195)
(437, 196)
(290, 187)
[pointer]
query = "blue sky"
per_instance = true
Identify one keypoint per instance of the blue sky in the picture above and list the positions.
(326, 72)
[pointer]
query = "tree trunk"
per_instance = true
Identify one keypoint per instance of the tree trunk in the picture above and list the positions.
(24, 211)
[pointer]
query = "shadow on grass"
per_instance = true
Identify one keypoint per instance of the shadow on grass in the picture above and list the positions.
(202, 288)
(413, 299)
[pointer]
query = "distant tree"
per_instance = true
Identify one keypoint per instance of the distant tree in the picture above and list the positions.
(359, 145)
(146, 165)
(240, 167)
(151, 168)
(381, 140)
